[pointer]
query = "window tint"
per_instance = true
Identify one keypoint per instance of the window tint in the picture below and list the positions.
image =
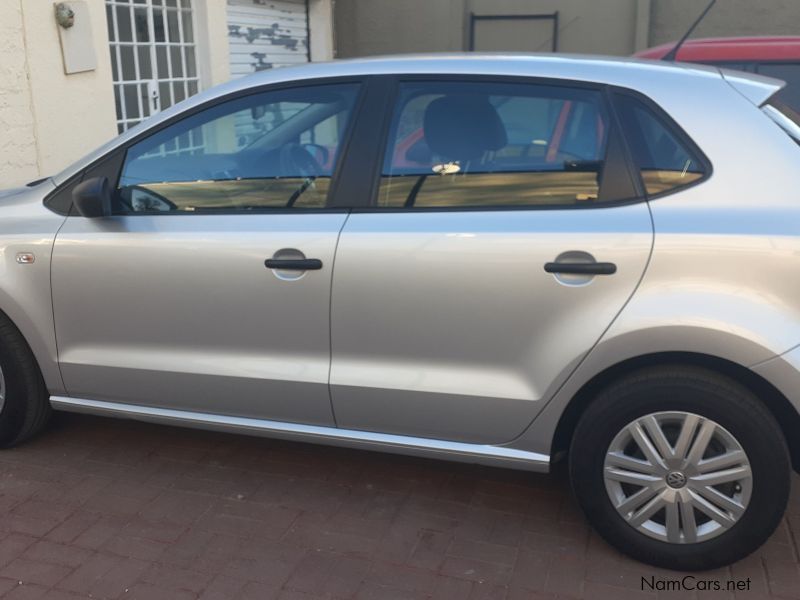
(270, 150)
(790, 73)
(664, 161)
(488, 144)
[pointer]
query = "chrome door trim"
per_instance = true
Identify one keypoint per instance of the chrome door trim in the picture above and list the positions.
(498, 456)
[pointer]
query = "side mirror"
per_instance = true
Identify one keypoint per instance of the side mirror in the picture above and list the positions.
(92, 198)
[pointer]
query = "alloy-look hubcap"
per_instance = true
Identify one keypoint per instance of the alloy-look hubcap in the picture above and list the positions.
(678, 477)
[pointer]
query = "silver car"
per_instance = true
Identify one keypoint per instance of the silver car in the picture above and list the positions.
(506, 260)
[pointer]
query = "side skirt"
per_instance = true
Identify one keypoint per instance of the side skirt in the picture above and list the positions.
(497, 456)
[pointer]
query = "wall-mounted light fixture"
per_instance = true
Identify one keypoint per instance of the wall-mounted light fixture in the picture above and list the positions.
(65, 16)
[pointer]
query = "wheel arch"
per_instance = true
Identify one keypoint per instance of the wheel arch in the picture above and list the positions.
(780, 406)
(37, 345)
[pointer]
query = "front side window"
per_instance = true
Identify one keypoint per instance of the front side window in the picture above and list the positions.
(274, 149)
(459, 144)
(664, 161)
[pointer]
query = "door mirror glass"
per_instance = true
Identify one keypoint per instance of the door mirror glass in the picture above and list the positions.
(92, 198)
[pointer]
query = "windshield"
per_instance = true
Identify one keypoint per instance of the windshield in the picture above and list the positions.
(786, 117)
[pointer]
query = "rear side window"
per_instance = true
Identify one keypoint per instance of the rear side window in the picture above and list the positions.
(488, 144)
(665, 162)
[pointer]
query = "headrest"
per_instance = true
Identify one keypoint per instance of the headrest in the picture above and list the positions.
(463, 127)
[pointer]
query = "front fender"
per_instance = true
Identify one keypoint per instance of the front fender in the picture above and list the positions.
(27, 226)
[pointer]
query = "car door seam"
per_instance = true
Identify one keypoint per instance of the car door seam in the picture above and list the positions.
(53, 303)
(330, 316)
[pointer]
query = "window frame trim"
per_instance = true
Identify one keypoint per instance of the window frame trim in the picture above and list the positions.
(110, 165)
(384, 128)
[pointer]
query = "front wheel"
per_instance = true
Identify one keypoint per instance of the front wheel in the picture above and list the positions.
(24, 402)
(680, 468)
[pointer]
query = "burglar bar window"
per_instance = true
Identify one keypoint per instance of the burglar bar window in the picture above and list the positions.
(153, 56)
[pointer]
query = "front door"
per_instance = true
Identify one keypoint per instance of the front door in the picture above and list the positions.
(501, 244)
(209, 289)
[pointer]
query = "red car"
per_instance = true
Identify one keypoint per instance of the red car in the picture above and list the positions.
(777, 57)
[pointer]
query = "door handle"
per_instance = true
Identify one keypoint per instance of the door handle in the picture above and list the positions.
(597, 268)
(294, 264)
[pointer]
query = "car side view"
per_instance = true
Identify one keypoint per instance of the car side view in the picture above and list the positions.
(506, 260)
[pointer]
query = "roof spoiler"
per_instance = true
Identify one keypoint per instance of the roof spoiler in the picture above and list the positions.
(756, 88)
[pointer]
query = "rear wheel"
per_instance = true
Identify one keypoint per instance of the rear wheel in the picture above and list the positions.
(680, 468)
(24, 404)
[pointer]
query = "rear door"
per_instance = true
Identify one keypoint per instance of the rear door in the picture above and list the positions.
(503, 237)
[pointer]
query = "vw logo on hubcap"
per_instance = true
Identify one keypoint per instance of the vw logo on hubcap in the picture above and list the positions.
(676, 479)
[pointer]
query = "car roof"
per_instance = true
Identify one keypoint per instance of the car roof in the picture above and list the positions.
(564, 66)
(620, 71)
(764, 48)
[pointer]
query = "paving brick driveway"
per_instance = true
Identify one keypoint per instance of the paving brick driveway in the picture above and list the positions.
(111, 509)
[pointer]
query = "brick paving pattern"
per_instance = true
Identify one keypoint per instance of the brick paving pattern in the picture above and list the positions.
(111, 509)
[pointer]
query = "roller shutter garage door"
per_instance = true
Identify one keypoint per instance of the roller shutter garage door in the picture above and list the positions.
(264, 34)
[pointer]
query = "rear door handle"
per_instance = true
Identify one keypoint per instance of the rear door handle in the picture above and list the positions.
(294, 264)
(564, 268)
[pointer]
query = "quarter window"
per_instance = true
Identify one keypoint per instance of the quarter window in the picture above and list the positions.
(493, 145)
(270, 150)
(664, 161)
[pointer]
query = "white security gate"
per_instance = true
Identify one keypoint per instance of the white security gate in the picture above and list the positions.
(153, 56)
(263, 34)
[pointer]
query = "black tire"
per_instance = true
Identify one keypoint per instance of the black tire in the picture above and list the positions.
(710, 395)
(27, 406)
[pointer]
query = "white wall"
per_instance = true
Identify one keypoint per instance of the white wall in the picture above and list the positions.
(48, 119)
(211, 19)
(320, 25)
(73, 113)
(18, 156)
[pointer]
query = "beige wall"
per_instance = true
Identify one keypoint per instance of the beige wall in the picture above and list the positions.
(671, 18)
(606, 26)
(368, 27)
(48, 118)
(617, 27)
(212, 37)
(18, 156)
(73, 113)
(320, 24)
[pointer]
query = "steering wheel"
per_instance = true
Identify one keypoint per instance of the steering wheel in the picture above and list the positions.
(296, 161)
